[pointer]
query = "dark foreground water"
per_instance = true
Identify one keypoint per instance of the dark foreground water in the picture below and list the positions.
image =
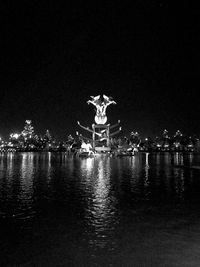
(56, 210)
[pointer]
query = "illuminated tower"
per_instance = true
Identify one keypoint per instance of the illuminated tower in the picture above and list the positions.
(100, 130)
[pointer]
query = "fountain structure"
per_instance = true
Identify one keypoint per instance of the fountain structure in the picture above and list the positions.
(100, 131)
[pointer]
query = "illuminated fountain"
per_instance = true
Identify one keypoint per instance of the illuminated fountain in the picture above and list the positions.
(100, 130)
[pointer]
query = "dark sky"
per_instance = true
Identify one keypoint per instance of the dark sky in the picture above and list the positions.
(145, 55)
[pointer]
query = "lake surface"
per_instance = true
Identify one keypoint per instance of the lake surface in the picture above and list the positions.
(59, 210)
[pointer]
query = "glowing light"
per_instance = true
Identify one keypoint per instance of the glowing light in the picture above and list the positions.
(100, 119)
(28, 121)
(86, 146)
(10, 144)
(101, 107)
(15, 135)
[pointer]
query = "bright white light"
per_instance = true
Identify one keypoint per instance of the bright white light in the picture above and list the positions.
(100, 119)
(16, 136)
(10, 144)
(28, 121)
(86, 146)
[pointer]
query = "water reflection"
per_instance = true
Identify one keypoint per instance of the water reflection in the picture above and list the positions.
(101, 212)
(101, 207)
(177, 158)
(26, 175)
(87, 167)
(87, 203)
(146, 181)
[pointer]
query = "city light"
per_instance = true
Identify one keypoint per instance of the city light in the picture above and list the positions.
(15, 135)
(28, 140)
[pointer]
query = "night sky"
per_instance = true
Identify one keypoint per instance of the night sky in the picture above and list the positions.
(55, 56)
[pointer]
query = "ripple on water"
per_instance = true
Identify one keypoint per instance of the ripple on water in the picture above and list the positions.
(98, 210)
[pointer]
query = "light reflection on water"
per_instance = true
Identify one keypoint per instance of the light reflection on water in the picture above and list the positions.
(100, 180)
(100, 214)
(91, 199)
(26, 174)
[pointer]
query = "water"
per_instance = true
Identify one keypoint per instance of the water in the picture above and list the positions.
(57, 210)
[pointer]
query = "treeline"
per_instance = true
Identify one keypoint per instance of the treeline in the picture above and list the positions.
(28, 140)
